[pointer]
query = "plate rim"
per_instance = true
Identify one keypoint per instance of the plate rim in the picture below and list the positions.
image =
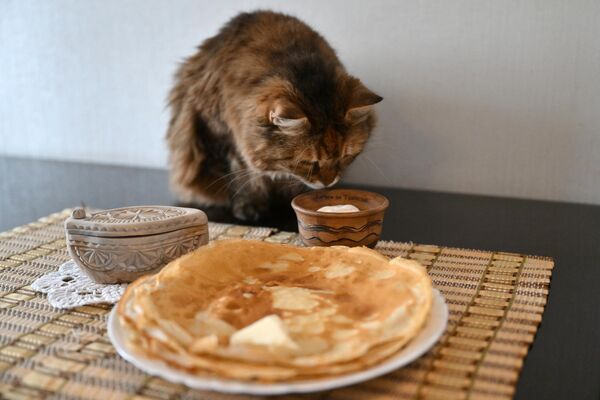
(438, 316)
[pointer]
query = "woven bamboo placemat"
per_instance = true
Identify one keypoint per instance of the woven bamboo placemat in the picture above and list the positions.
(496, 301)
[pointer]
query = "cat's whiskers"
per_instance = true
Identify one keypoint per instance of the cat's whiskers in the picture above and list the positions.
(299, 160)
(295, 181)
(238, 175)
(223, 177)
(249, 181)
(366, 157)
(241, 175)
(380, 143)
(310, 171)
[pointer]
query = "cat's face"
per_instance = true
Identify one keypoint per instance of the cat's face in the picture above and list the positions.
(317, 160)
(313, 147)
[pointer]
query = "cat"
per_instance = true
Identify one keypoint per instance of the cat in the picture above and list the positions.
(264, 110)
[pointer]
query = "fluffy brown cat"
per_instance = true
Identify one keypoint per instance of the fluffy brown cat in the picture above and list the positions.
(263, 110)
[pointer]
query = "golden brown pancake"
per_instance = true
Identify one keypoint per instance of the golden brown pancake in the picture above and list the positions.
(255, 310)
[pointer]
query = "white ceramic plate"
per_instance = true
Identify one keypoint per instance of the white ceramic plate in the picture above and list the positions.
(429, 335)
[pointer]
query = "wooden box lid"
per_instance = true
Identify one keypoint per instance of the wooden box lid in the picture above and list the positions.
(133, 221)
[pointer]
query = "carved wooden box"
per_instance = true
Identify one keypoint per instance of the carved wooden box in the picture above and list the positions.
(122, 244)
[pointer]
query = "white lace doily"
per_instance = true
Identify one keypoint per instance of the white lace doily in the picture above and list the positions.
(69, 287)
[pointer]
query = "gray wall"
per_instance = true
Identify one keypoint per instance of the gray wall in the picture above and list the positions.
(491, 97)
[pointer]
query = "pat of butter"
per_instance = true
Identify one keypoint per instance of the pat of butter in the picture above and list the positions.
(342, 208)
(268, 331)
(293, 298)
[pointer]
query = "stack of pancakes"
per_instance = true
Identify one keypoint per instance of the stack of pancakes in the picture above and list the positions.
(252, 310)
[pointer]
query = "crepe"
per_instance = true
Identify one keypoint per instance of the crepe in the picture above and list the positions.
(255, 310)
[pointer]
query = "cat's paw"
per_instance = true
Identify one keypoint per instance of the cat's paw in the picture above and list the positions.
(248, 211)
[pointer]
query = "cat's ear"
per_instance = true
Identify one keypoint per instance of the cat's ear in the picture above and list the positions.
(361, 104)
(289, 118)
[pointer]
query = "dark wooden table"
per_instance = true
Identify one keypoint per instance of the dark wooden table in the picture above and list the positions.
(564, 361)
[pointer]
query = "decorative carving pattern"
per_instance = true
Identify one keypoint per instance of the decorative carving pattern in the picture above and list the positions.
(368, 240)
(106, 257)
(136, 214)
(141, 220)
(331, 229)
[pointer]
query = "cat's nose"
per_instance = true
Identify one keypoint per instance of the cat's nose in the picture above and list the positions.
(329, 178)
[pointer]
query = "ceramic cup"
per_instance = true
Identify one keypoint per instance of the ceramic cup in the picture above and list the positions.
(361, 228)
